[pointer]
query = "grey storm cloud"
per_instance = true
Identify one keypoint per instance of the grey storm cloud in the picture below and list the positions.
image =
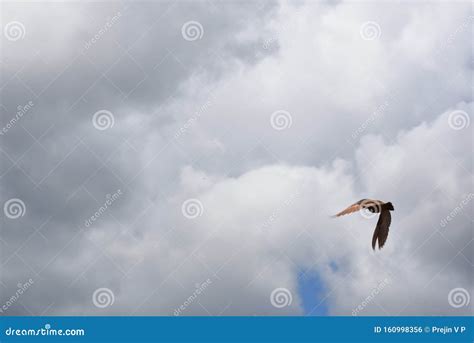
(151, 159)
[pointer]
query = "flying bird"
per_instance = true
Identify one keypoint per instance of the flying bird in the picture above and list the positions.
(385, 218)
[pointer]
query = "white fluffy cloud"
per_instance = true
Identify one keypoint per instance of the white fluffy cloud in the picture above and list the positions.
(265, 225)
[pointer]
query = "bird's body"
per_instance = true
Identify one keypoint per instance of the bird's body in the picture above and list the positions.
(385, 218)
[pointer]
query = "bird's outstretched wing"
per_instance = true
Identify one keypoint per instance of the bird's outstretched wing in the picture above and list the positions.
(353, 208)
(381, 230)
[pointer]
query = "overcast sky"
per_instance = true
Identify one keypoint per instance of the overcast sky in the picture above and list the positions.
(179, 158)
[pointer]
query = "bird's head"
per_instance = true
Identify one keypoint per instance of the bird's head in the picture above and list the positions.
(373, 208)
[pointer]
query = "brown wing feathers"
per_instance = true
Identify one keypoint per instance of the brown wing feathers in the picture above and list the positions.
(351, 209)
(382, 228)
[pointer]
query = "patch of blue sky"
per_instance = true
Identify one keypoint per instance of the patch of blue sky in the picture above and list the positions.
(312, 292)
